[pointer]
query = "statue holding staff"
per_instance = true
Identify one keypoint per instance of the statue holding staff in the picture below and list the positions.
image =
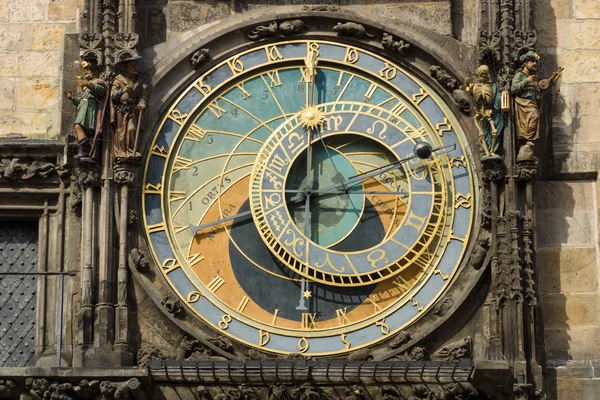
(126, 111)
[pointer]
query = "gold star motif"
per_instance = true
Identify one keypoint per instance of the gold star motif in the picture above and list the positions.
(307, 294)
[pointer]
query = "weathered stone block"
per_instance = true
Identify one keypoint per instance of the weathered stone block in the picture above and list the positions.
(587, 9)
(28, 10)
(566, 229)
(4, 10)
(577, 388)
(47, 36)
(26, 124)
(579, 66)
(433, 15)
(565, 195)
(64, 10)
(185, 15)
(551, 10)
(31, 64)
(554, 34)
(585, 98)
(37, 94)
(7, 94)
(14, 37)
(588, 129)
(585, 35)
(574, 343)
(570, 310)
(568, 270)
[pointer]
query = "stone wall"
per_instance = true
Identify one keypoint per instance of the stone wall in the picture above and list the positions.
(567, 209)
(31, 65)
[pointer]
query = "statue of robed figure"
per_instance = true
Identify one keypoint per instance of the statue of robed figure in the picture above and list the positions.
(127, 106)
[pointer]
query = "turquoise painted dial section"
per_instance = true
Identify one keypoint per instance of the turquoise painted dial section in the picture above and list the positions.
(376, 257)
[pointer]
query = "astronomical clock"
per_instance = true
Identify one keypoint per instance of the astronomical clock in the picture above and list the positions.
(308, 196)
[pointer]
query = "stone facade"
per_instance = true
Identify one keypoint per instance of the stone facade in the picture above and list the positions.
(37, 39)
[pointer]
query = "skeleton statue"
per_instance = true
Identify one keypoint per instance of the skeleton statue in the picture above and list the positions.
(489, 116)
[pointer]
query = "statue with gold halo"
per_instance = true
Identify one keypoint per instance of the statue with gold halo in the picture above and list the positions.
(489, 116)
(527, 92)
(91, 105)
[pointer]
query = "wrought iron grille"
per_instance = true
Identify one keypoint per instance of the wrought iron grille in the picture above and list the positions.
(18, 255)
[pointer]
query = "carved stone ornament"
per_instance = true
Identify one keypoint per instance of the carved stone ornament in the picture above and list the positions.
(354, 393)
(88, 177)
(41, 388)
(494, 169)
(489, 45)
(194, 350)
(172, 305)
(361, 355)
(328, 8)
(481, 249)
(7, 388)
(273, 29)
(442, 307)
(91, 47)
(454, 351)
(138, 260)
(451, 84)
(146, 353)
(352, 29)
(389, 393)
(397, 46)
(124, 177)
(400, 340)
(14, 169)
(125, 46)
(199, 57)
(416, 353)
(132, 217)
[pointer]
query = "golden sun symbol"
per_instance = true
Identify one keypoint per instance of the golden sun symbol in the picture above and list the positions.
(311, 117)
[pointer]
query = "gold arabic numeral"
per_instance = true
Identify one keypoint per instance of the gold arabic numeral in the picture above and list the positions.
(295, 142)
(342, 316)
(274, 78)
(177, 116)
(401, 284)
(181, 163)
(377, 256)
(235, 65)
(243, 303)
(370, 91)
(193, 297)
(204, 88)
(277, 220)
(217, 110)
(376, 307)
(343, 339)
(194, 259)
(462, 201)
(272, 200)
(458, 162)
(330, 265)
(215, 284)
(160, 151)
(333, 122)
(245, 93)
(156, 227)
(419, 97)
(274, 179)
(169, 265)
(263, 337)
(195, 133)
(381, 134)
(313, 47)
(150, 188)
(440, 273)
(388, 72)
(398, 109)
(415, 221)
(351, 56)
(177, 195)
(416, 304)
(303, 345)
(443, 127)
(293, 242)
(275, 313)
(273, 53)
(385, 329)
(308, 321)
(224, 322)
(277, 163)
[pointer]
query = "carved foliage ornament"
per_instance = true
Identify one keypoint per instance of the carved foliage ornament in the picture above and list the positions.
(14, 169)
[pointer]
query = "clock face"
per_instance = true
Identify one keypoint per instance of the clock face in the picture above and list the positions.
(286, 207)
